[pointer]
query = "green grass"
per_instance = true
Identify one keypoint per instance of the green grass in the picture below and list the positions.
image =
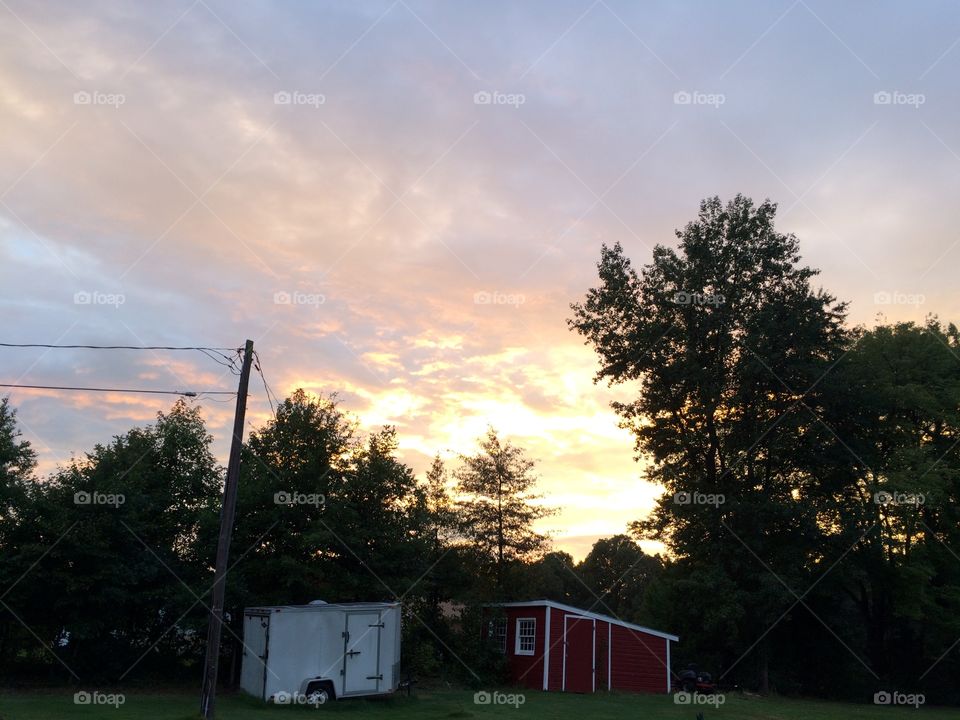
(450, 704)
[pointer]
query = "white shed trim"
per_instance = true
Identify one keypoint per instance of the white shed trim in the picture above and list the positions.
(668, 667)
(546, 651)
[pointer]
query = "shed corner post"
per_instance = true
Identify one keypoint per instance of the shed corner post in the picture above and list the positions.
(668, 666)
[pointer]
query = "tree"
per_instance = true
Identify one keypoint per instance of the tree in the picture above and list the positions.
(376, 532)
(18, 461)
(552, 576)
(497, 505)
(447, 559)
(324, 513)
(289, 469)
(728, 341)
(617, 573)
(897, 395)
(114, 538)
(440, 505)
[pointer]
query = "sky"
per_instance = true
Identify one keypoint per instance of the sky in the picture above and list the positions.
(398, 201)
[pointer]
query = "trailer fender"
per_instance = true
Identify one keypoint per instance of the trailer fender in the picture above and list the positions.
(315, 684)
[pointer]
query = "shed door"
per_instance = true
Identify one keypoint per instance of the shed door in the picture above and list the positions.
(361, 655)
(253, 672)
(578, 654)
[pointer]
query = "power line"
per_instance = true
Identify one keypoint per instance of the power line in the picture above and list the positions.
(266, 387)
(119, 347)
(210, 352)
(230, 363)
(184, 393)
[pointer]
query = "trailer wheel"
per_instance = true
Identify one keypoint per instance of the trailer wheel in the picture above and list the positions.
(318, 693)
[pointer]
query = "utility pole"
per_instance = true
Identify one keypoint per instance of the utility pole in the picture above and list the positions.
(227, 513)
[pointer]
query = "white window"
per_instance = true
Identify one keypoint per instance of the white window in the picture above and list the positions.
(526, 636)
(498, 633)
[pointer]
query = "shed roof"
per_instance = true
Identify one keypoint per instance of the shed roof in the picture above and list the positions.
(587, 613)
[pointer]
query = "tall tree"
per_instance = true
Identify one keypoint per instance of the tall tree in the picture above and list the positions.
(728, 341)
(446, 557)
(289, 469)
(376, 530)
(498, 505)
(440, 504)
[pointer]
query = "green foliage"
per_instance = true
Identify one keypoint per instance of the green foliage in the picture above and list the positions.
(323, 514)
(622, 572)
(108, 548)
(496, 506)
(553, 576)
(773, 428)
(728, 341)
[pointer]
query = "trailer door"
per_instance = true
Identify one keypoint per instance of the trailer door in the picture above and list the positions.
(253, 672)
(361, 655)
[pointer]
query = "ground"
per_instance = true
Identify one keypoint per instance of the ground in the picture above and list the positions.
(427, 705)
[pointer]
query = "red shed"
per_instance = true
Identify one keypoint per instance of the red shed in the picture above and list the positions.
(551, 646)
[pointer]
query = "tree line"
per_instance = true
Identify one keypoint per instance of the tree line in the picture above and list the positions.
(106, 564)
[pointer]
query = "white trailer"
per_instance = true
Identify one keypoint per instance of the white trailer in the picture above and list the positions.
(312, 653)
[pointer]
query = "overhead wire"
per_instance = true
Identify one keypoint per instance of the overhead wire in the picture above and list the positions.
(266, 386)
(184, 393)
(214, 353)
(116, 347)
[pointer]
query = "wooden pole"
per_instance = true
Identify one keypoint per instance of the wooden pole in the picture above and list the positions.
(227, 513)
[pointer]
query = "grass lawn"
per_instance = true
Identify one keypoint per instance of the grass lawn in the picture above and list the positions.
(429, 704)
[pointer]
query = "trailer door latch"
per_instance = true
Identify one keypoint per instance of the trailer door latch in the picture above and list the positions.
(379, 625)
(374, 677)
(352, 653)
